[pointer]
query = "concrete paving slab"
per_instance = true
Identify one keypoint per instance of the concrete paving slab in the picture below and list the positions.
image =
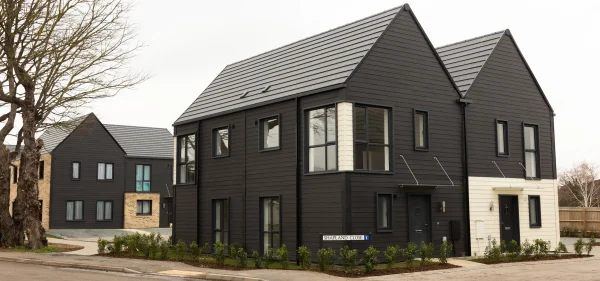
(92, 235)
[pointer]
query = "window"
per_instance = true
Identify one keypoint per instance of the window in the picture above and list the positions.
(41, 170)
(221, 221)
(502, 138)
(187, 159)
(74, 210)
(384, 212)
(532, 167)
(221, 142)
(75, 170)
(421, 130)
(144, 207)
(15, 174)
(269, 133)
(372, 138)
(142, 178)
(103, 210)
(105, 171)
(535, 213)
(322, 149)
(270, 226)
(41, 214)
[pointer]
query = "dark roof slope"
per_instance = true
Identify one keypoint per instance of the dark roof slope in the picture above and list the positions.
(53, 136)
(143, 141)
(465, 59)
(324, 61)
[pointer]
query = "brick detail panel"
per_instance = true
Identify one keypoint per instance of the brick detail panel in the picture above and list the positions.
(132, 219)
(43, 188)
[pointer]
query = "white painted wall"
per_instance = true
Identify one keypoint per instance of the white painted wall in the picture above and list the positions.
(481, 193)
(345, 140)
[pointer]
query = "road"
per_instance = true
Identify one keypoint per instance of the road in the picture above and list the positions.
(19, 271)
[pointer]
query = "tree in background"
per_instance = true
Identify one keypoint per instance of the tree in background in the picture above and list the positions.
(580, 186)
(55, 58)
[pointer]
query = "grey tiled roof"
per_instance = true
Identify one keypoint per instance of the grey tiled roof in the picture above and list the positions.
(53, 136)
(465, 59)
(319, 62)
(143, 141)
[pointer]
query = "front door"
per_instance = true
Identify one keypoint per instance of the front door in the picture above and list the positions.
(419, 218)
(509, 218)
(169, 208)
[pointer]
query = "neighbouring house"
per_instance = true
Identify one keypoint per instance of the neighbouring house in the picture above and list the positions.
(512, 179)
(95, 175)
(356, 130)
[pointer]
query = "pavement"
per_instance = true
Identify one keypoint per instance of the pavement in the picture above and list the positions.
(92, 235)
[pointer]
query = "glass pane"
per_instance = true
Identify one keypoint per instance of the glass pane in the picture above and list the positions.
(331, 128)
(271, 133)
(138, 186)
(420, 130)
(530, 164)
(218, 217)
(139, 207)
(109, 171)
(191, 175)
(182, 146)
(530, 137)
(378, 125)
(101, 172)
(70, 211)
(360, 162)
(225, 215)
(276, 241)
(147, 207)
(146, 186)
(217, 237)
(146, 173)
(183, 173)
(100, 210)
(275, 210)
(316, 127)
(78, 210)
(221, 142)
(532, 211)
(500, 141)
(331, 157)
(266, 214)
(225, 238)
(139, 172)
(316, 159)
(267, 242)
(384, 207)
(379, 158)
(360, 122)
(75, 170)
(191, 148)
(108, 210)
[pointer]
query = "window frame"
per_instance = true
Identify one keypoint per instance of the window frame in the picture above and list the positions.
(74, 203)
(426, 135)
(106, 171)
(15, 174)
(142, 213)
(261, 230)
(506, 138)
(143, 173)
(41, 170)
(391, 213)
(390, 138)
(261, 140)
(307, 146)
(178, 159)
(78, 171)
(536, 132)
(112, 204)
(213, 147)
(538, 210)
(221, 231)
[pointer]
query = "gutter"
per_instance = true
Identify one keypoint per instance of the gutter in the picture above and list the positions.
(464, 103)
(298, 178)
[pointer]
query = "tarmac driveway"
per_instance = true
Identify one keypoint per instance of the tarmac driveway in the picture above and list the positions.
(92, 235)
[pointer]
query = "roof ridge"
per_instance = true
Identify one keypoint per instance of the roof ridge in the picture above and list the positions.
(136, 126)
(470, 39)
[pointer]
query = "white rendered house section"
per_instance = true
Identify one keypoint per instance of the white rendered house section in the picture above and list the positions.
(484, 210)
(345, 138)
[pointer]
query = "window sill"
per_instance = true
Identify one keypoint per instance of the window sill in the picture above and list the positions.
(533, 179)
(503, 155)
(269, 149)
(104, 220)
(421, 149)
(105, 180)
(321, 173)
(75, 179)
(385, 230)
(372, 172)
(187, 184)
(143, 215)
(138, 191)
(74, 220)
(535, 226)
(220, 156)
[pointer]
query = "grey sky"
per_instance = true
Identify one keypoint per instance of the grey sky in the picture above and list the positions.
(189, 42)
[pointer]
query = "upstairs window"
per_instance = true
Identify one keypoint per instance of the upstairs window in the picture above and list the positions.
(105, 171)
(269, 133)
(41, 170)
(421, 125)
(75, 170)
(187, 159)
(142, 178)
(502, 138)
(221, 142)
(372, 147)
(321, 132)
(532, 157)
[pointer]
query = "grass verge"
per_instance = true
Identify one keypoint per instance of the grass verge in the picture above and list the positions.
(52, 248)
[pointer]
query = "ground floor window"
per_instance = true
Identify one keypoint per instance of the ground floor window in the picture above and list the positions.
(384, 212)
(270, 223)
(221, 221)
(535, 214)
(74, 210)
(144, 207)
(103, 210)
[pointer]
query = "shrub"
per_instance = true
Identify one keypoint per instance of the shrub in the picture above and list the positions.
(391, 254)
(219, 253)
(348, 258)
(305, 257)
(527, 249)
(445, 252)
(541, 248)
(164, 249)
(426, 252)
(579, 246)
(144, 245)
(194, 250)
(180, 249)
(371, 258)
(514, 251)
(170, 240)
(561, 248)
(409, 253)
(154, 245)
(233, 249)
(205, 251)
(325, 257)
(118, 243)
(241, 258)
(257, 258)
(269, 257)
(494, 253)
(589, 246)
(284, 260)
(132, 242)
(102, 246)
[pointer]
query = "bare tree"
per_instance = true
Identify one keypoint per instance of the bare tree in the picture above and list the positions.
(581, 184)
(58, 56)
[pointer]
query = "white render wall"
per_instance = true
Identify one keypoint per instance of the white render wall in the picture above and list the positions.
(481, 193)
(345, 139)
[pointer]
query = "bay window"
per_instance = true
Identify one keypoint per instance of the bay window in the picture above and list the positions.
(321, 132)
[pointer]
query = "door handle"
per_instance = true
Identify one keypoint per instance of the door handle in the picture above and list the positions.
(418, 230)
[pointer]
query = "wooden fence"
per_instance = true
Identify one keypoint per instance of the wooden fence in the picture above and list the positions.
(580, 218)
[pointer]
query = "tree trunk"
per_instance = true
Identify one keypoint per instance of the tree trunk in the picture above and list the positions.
(10, 234)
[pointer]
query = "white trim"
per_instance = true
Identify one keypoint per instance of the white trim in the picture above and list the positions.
(345, 138)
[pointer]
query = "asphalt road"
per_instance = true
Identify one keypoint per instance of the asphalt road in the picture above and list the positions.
(19, 271)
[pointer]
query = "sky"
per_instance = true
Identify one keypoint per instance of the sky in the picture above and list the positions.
(188, 42)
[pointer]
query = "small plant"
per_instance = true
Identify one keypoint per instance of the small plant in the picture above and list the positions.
(409, 253)
(514, 251)
(194, 250)
(325, 257)
(102, 246)
(527, 249)
(219, 253)
(445, 252)
(269, 257)
(426, 252)
(144, 245)
(541, 248)
(154, 246)
(180, 249)
(118, 243)
(170, 240)
(257, 258)
(284, 260)
(233, 248)
(391, 255)
(589, 246)
(562, 248)
(371, 258)
(493, 254)
(579, 244)
(205, 251)
(241, 258)
(305, 257)
(348, 258)
(164, 249)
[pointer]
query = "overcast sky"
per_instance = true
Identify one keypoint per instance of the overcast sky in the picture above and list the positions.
(188, 42)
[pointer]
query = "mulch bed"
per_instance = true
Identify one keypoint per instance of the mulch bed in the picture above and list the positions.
(60, 248)
(546, 258)
(398, 270)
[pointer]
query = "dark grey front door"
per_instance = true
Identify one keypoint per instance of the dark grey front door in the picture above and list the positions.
(419, 218)
(509, 218)
(169, 207)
